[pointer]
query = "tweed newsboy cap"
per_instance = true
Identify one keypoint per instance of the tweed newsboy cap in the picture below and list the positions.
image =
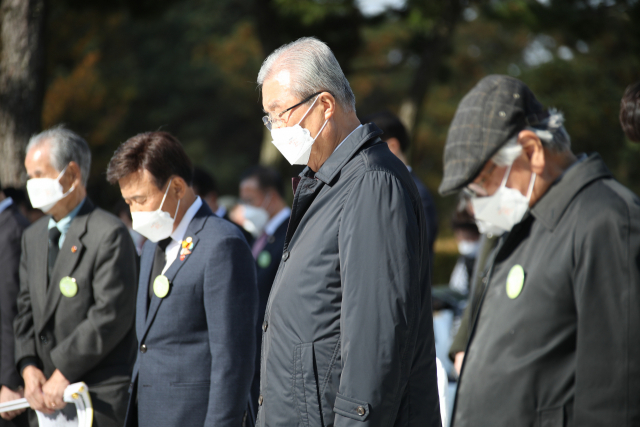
(492, 113)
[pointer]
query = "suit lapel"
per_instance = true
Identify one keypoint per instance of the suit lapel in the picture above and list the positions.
(146, 264)
(39, 264)
(193, 229)
(68, 257)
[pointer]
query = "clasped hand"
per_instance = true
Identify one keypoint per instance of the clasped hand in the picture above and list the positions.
(44, 395)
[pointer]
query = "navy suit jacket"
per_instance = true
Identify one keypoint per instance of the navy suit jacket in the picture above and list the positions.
(197, 345)
(267, 267)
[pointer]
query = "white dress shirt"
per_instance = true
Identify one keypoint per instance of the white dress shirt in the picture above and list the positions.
(173, 248)
(347, 137)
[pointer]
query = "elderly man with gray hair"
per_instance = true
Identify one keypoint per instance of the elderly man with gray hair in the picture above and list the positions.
(554, 341)
(77, 293)
(347, 333)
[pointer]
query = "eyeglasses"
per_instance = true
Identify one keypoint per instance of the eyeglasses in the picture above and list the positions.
(476, 189)
(271, 122)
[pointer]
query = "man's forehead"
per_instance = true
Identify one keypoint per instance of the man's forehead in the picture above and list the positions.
(275, 91)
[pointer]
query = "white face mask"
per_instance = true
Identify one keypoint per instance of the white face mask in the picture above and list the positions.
(255, 219)
(295, 142)
(502, 210)
(155, 225)
(44, 193)
(468, 248)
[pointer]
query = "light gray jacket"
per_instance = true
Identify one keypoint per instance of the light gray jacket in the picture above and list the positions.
(347, 334)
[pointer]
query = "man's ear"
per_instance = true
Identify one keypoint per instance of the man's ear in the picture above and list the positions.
(533, 149)
(179, 187)
(329, 103)
(75, 174)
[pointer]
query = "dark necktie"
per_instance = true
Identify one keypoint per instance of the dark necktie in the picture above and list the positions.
(259, 245)
(159, 260)
(54, 240)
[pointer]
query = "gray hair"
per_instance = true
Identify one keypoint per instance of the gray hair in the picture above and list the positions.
(65, 146)
(551, 132)
(313, 68)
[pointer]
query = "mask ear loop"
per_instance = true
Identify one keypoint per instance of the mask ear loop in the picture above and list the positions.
(533, 181)
(320, 131)
(305, 114)
(165, 196)
(506, 176)
(70, 189)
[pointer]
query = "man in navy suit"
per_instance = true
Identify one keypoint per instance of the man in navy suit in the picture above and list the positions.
(262, 188)
(197, 296)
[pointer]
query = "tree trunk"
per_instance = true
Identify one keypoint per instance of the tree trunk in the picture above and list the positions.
(21, 82)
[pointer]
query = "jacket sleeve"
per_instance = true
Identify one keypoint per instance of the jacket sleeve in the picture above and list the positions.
(23, 327)
(9, 288)
(231, 304)
(606, 286)
(381, 251)
(111, 316)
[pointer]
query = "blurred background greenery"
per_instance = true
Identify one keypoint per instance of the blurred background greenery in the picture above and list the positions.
(115, 68)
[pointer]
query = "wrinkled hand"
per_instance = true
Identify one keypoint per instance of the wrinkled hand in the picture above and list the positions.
(457, 363)
(33, 381)
(53, 391)
(6, 395)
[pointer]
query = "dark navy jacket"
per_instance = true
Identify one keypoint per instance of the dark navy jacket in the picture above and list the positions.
(197, 345)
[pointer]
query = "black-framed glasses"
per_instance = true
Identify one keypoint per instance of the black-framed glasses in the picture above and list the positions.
(277, 120)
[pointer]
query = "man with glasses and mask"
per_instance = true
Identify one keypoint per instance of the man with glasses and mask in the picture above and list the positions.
(197, 296)
(555, 341)
(77, 286)
(347, 336)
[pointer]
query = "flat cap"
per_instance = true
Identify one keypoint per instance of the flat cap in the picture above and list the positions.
(492, 113)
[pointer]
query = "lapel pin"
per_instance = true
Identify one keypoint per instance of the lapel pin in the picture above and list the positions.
(68, 287)
(74, 249)
(161, 286)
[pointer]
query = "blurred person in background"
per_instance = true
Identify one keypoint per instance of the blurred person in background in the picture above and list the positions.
(21, 200)
(335, 350)
(555, 338)
(196, 326)
(262, 188)
(12, 225)
(395, 135)
(630, 112)
(77, 286)
(205, 186)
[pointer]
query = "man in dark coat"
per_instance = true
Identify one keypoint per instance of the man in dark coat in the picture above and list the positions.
(262, 188)
(555, 338)
(12, 225)
(347, 333)
(77, 286)
(197, 295)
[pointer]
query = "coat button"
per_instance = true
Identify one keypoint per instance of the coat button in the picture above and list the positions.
(265, 325)
(360, 410)
(260, 400)
(43, 339)
(143, 348)
(285, 256)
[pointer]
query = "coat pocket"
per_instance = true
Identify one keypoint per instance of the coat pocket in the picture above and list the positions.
(305, 385)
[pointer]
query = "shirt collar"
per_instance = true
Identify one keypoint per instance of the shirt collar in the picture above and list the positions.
(222, 210)
(347, 137)
(276, 221)
(553, 203)
(64, 224)
(5, 204)
(181, 229)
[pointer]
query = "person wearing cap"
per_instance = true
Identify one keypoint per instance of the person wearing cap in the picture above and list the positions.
(555, 341)
(630, 112)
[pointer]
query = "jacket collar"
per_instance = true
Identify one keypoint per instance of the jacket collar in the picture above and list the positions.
(339, 158)
(554, 202)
